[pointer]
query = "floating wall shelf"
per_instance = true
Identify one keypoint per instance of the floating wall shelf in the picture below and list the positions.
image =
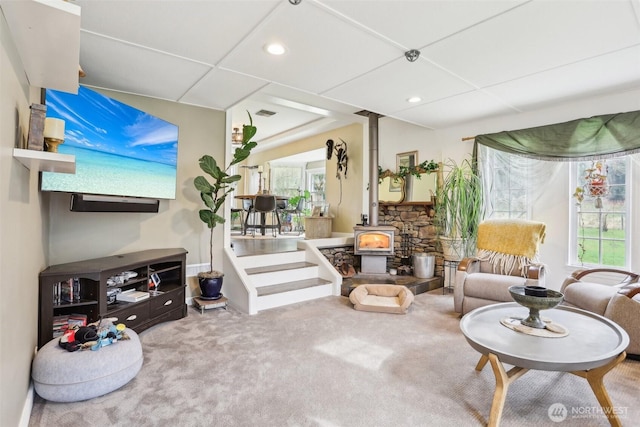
(46, 161)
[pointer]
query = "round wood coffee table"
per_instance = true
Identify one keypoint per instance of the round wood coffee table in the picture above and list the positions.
(593, 347)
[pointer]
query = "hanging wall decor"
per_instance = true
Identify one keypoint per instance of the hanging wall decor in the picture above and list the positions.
(340, 150)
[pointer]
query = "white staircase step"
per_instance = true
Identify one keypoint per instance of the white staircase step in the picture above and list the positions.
(279, 299)
(253, 261)
(282, 278)
(291, 286)
(279, 267)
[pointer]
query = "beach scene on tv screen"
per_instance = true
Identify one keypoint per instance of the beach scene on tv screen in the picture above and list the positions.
(119, 150)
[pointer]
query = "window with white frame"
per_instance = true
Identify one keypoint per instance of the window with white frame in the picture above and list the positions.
(287, 179)
(316, 180)
(600, 212)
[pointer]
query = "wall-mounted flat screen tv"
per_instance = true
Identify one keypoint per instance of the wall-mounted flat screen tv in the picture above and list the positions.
(119, 150)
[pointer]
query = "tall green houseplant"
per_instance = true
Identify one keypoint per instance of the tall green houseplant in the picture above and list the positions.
(214, 193)
(459, 209)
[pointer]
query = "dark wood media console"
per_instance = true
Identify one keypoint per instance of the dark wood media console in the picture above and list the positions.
(89, 298)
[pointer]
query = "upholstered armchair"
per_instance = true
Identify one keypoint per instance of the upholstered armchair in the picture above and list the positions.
(507, 255)
(619, 302)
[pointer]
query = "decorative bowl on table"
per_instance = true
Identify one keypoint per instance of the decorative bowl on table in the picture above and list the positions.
(535, 298)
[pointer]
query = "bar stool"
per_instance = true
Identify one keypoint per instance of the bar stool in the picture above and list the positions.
(235, 214)
(247, 205)
(263, 205)
(281, 205)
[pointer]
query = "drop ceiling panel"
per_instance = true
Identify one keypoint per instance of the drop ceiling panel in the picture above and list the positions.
(210, 53)
(386, 89)
(536, 37)
(200, 30)
(46, 34)
(458, 109)
(221, 89)
(415, 24)
(114, 65)
(323, 51)
(603, 74)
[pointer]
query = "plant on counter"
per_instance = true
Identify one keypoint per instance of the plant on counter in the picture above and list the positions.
(292, 208)
(214, 193)
(295, 200)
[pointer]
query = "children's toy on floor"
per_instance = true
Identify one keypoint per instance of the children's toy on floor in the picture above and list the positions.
(93, 336)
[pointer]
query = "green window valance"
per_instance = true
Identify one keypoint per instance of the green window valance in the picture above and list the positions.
(602, 136)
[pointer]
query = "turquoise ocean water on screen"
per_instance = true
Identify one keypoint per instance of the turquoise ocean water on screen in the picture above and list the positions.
(103, 173)
(119, 150)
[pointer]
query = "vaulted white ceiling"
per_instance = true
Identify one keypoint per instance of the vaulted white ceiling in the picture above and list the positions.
(477, 58)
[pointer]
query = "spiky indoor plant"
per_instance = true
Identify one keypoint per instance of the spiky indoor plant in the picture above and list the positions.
(214, 193)
(459, 209)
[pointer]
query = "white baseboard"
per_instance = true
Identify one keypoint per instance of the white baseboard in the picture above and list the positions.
(28, 407)
(194, 269)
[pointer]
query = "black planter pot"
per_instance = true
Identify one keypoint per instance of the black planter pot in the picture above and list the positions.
(210, 287)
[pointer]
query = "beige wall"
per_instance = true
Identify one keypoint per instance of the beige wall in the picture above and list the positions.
(37, 229)
(345, 195)
(23, 238)
(83, 235)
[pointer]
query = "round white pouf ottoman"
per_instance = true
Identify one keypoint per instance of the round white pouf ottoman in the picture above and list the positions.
(62, 376)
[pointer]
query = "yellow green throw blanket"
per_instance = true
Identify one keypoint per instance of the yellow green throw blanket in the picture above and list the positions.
(510, 243)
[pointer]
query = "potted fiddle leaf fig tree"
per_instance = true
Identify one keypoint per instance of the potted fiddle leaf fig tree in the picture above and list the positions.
(213, 193)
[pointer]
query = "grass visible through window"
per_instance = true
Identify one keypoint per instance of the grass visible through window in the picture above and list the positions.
(613, 251)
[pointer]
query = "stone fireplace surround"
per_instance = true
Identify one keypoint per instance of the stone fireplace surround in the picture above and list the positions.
(419, 226)
(411, 220)
(416, 220)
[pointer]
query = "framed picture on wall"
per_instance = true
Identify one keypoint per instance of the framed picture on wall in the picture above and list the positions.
(406, 160)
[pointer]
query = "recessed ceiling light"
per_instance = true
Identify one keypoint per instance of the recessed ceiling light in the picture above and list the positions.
(414, 99)
(275, 48)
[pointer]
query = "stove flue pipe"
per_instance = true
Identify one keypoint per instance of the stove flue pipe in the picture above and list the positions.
(373, 164)
(373, 169)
